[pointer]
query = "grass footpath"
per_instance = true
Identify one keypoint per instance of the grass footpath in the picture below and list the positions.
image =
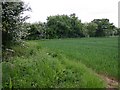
(67, 63)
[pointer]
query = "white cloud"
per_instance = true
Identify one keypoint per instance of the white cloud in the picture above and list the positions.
(86, 10)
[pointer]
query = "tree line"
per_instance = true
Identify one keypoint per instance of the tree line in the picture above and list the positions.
(64, 26)
(14, 27)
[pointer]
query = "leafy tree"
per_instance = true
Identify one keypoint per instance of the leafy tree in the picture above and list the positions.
(25, 27)
(92, 27)
(36, 31)
(89, 29)
(51, 26)
(105, 28)
(118, 31)
(85, 29)
(12, 21)
(76, 26)
(63, 26)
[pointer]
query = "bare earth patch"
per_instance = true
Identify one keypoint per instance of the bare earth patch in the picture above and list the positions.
(111, 83)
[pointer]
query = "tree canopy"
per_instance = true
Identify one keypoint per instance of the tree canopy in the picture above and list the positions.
(63, 26)
(57, 26)
(12, 21)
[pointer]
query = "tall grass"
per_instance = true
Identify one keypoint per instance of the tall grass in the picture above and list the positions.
(35, 66)
(100, 54)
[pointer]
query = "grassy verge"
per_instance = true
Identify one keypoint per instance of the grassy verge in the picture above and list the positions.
(36, 67)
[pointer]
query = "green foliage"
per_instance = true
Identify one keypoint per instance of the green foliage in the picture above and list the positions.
(63, 26)
(46, 69)
(11, 22)
(89, 29)
(118, 31)
(35, 31)
(105, 28)
(58, 26)
(100, 54)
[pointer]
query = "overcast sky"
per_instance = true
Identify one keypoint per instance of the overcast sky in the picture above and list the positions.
(86, 10)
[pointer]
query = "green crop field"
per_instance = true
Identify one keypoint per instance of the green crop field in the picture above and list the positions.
(100, 54)
(62, 63)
